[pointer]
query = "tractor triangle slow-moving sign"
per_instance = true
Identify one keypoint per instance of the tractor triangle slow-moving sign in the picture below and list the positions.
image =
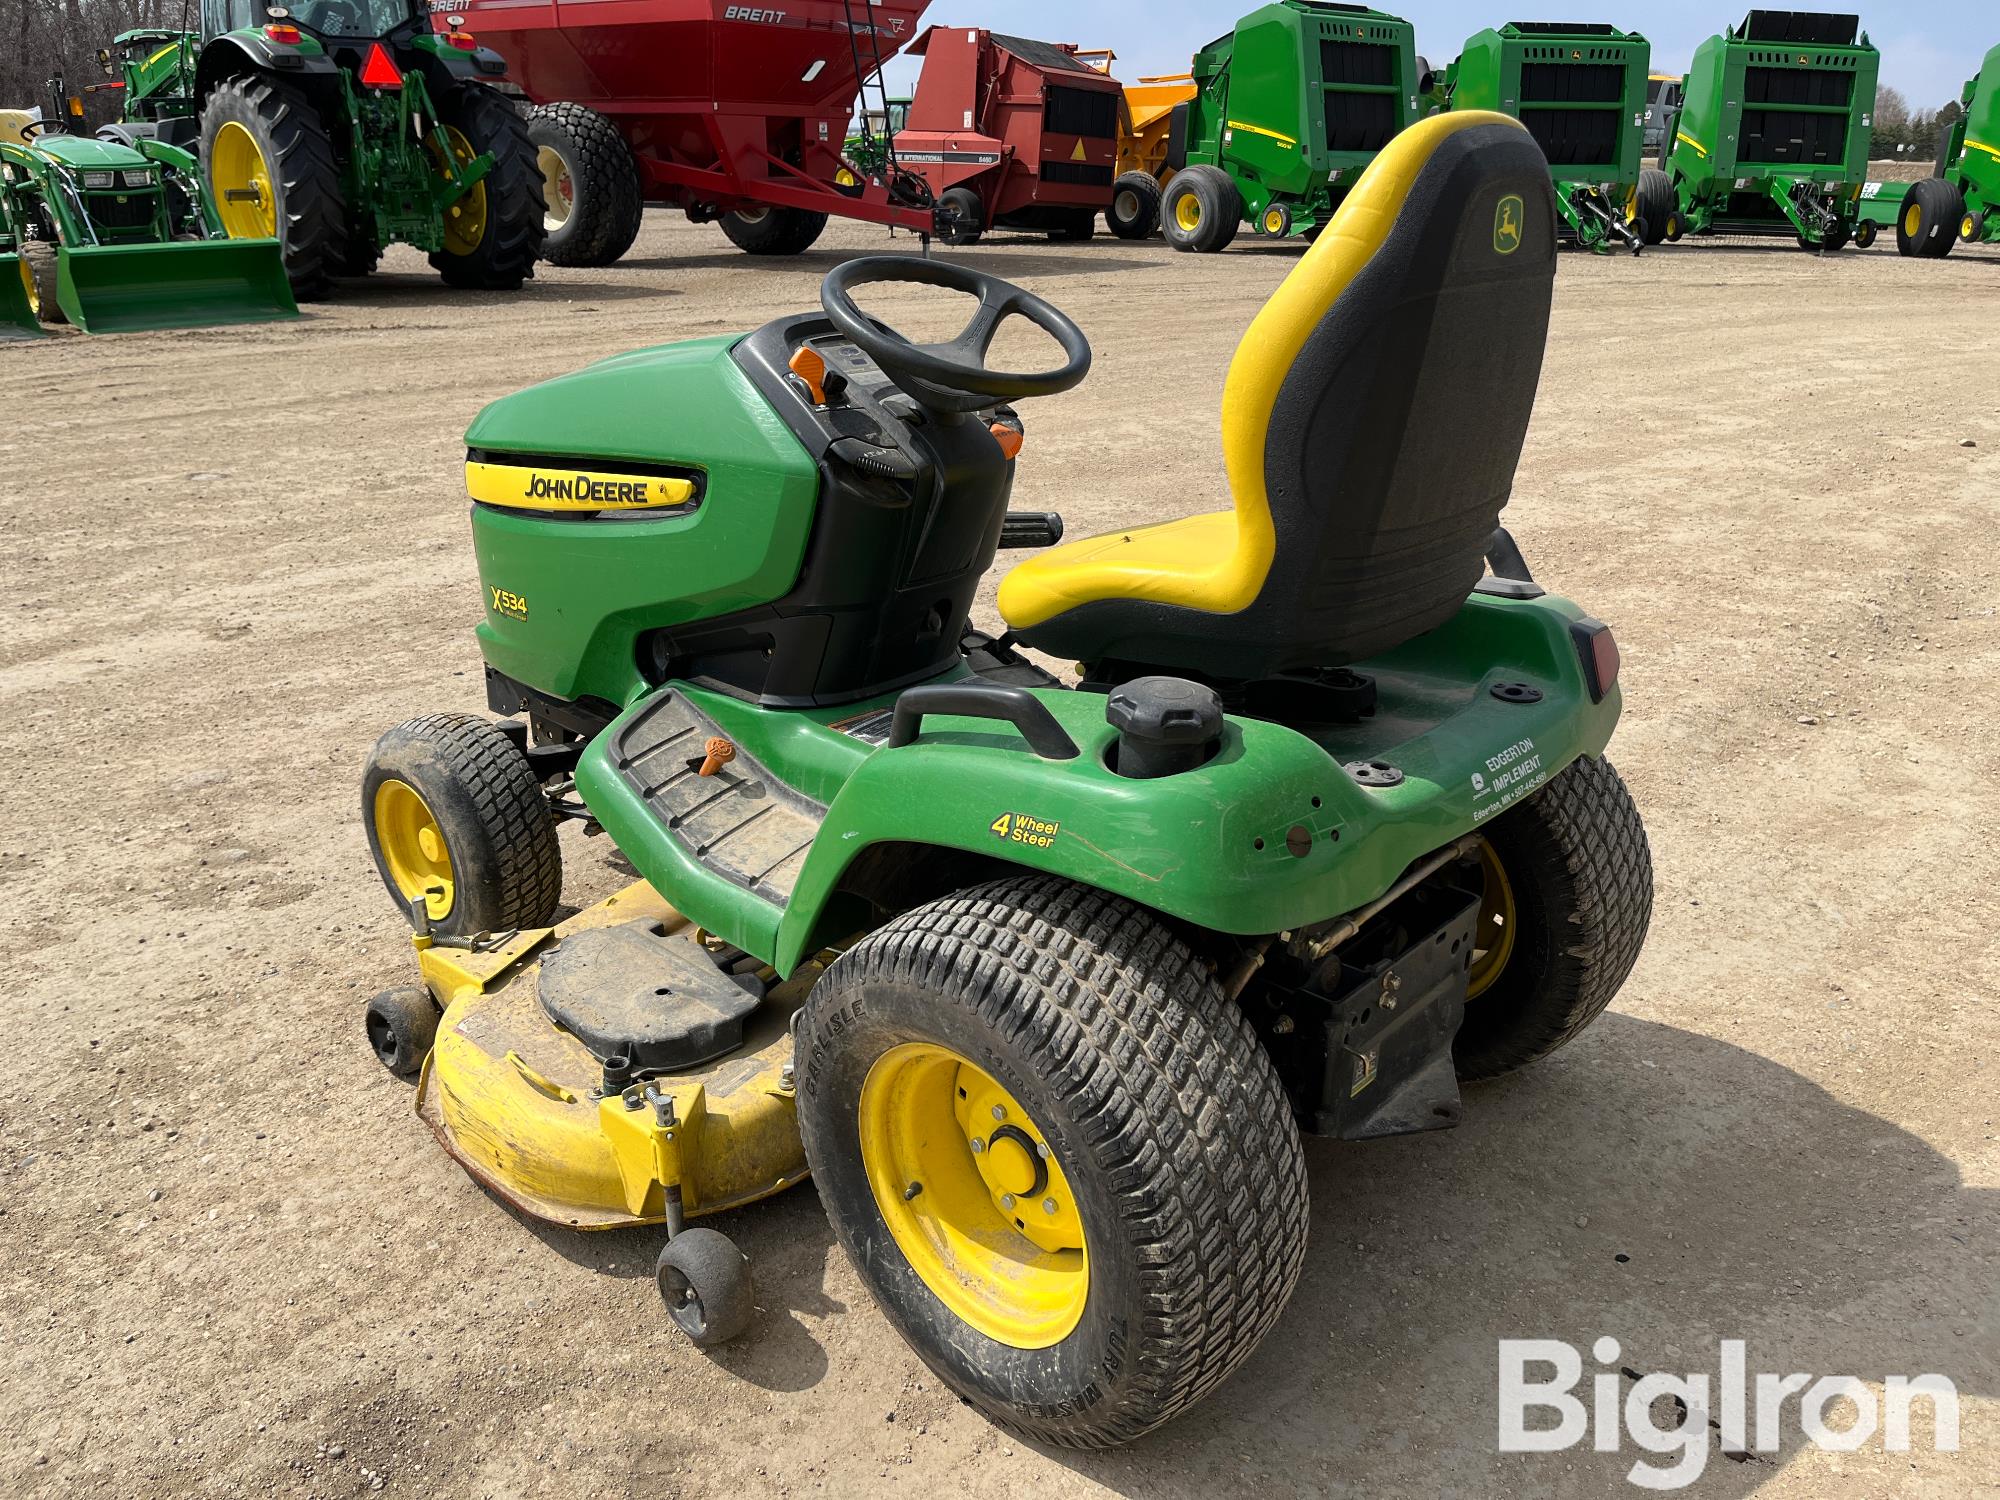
(379, 72)
(1077, 154)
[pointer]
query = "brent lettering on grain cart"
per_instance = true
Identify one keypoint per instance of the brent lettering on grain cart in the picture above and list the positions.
(1326, 823)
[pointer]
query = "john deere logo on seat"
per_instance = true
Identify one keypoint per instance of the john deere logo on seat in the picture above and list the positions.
(1507, 224)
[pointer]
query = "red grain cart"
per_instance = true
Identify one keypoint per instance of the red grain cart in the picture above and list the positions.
(1010, 134)
(734, 113)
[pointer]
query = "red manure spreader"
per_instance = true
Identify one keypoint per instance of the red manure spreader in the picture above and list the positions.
(1011, 134)
(734, 113)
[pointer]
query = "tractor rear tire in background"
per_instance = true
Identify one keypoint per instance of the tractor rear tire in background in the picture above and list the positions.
(590, 185)
(767, 230)
(271, 170)
(1927, 224)
(965, 213)
(454, 813)
(1568, 896)
(493, 234)
(1201, 209)
(38, 263)
(1134, 212)
(1056, 1154)
(1655, 203)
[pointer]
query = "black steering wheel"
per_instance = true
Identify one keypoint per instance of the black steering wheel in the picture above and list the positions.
(953, 376)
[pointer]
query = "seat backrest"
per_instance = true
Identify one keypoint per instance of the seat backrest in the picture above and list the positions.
(14, 125)
(1374, 412)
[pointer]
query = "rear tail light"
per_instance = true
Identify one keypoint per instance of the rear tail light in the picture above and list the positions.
(289, 35)
(1599, 653)
(463, 40)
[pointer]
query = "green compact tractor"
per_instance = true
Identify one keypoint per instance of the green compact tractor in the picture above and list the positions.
(1289, 108)
(1041, 983)
(342, 127)
(1773, 131)
(1581, 91)
(1962, 201)
(115, 237)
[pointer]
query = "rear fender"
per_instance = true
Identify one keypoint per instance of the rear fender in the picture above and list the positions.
(239, 52)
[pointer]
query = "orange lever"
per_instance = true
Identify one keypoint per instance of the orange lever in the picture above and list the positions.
(716, 754)
(1009, 438)
(809, 367)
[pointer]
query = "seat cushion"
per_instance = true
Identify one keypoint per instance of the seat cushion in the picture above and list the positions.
(1193, 563)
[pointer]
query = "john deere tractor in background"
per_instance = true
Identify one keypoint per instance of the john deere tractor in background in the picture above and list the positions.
(1773, 131)
(1580, 89)
(116, 237)
(343, 127)
(1288, 110)
(1962, 200)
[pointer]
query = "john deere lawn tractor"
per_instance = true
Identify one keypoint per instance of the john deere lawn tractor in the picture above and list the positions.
(1581, 91)
(1961, 201)
(1040, 982)
(117, 237)
(1773, 130)
(342, 127)
(1288, 109)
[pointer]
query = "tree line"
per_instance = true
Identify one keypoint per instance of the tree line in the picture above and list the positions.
(40, 39)
(1913, 134)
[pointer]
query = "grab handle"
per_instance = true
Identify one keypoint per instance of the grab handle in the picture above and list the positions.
(983, 700)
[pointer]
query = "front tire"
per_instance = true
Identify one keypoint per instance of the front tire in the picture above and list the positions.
(1568, 879)
(766, 230)
(454, 814)
(1201, 209)
(39, 278)
(1927, 223)
(592, 203)
(271, 170)
(1134, 211)
(1132, 1218)
(493, 233)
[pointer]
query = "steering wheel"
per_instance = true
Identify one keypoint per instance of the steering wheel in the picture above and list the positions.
(953, 377)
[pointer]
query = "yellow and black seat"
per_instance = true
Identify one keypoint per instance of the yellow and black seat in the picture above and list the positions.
(1371, 423)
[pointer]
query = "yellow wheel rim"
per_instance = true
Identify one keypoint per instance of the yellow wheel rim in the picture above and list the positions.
(1187, 212)
(1632, 205)
(844, 178)
(465, 220)
(1913, 220)
(28, 285)
(413, 848)
(1493, 938)
(1966, 228)
(1274, 222)
(558, 192)
(241, 180)
(974, 1196)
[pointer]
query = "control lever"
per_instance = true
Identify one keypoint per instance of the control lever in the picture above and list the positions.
(1030, 528)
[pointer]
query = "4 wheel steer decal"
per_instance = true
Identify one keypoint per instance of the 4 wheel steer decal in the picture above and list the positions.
(1025, 829)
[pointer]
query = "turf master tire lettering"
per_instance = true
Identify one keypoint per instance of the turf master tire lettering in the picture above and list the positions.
(1160, 1109)
(306, 202)
(590, 185)
(773, 231)
(500, 253)
(1579, 877)
(1201, 210)
(448, 801)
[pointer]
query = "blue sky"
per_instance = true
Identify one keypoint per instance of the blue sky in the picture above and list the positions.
(1928, 50)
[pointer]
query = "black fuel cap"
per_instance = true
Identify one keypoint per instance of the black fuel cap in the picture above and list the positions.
(1165, 725)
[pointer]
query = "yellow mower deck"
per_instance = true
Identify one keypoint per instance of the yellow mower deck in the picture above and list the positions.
(512, 1097)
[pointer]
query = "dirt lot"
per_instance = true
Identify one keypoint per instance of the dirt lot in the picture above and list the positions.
(235, 1263)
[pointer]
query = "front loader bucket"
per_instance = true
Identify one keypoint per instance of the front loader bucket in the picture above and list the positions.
(178, 284)
(17, 313)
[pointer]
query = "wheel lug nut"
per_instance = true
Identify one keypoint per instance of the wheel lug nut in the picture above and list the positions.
(1048, 1205)
(1042, 1150)
(999, 1112)
(1007, 1201)
(978, 1145)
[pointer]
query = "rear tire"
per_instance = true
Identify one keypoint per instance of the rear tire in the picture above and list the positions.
(306, 203)
(39, 257)
(1137, 1099)
(479, 829)
(1201, 210)
(598, 219)
(1927, 223)
(1134, 210)
(1656, 203)
(507, 202)
(1578, 878)
(773, 231)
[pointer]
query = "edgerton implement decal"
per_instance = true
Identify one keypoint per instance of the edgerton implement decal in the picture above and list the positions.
(1509, 776)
